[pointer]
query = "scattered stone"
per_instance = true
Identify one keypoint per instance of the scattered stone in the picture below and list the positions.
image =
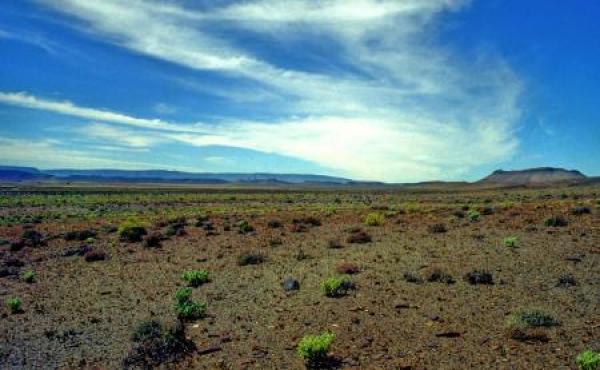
(290, 284)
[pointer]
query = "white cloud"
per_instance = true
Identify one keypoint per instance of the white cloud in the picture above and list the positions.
(164, 108)
(112, 134)
(408, 109)
(54, 154)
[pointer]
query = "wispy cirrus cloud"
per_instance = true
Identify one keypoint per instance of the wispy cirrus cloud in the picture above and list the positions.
(398, 105)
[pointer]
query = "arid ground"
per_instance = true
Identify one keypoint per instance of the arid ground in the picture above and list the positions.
(413, 304)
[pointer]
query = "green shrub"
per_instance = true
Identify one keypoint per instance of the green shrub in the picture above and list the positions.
(29, 277)
(14, 304)
(374, 219)
(511, 241)
(533, 318)
(335, 286)
(473, 216)
(195, 278)
(147, 330)
(132, 231)
(588, 360)
(556, 221)
(186, 308)
(313, 348)
(244, 227)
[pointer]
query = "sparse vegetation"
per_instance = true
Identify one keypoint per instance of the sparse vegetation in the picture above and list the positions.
(14, 304)
(336, 287)
(132, 231)
(437, 228)
(251, 259)
(374, 219)
(556, 221)
(479, 277)
(314, 348)
(155, 344)
(588, 360)
(511, 241)
(244, 227)
(473, 215)
(29, 277)
(195, 278)
(359, 237)
(186, 308)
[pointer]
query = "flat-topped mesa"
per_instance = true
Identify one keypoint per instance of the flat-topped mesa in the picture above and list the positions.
(534, 176)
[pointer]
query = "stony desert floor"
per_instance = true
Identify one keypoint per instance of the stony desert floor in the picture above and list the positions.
(413, 306)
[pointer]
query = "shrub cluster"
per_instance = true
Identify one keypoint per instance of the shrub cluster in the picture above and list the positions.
(132, 231)
(556, 221)
(156, 344)
(195, 278)
(314, 348)
(588, 360)
(186, 308)
(251, 259)
(374, 219)
(336, 287)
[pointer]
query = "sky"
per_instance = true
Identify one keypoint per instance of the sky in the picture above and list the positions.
(387, 90)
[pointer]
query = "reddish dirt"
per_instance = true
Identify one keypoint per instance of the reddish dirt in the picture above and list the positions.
(82, 314)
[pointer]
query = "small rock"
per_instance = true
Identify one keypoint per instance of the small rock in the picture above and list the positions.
(290, 284)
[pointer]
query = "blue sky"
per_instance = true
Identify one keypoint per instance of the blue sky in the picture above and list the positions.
(392, 90)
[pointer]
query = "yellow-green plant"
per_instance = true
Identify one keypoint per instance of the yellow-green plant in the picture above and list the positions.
(374, 219)
(313, 348)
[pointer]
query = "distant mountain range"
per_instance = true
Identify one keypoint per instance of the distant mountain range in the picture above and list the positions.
(530, 177)
(9, 173)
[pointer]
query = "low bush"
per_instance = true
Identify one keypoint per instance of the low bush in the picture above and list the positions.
(244, 227)
(511, 241)
(336, 287)
(186, 308)
(530, 325)
(533, 318)
(374, 219)
(588, 360)
(80, 234)
(307, 220)
(566, 281)
(314, 348)
(32, 238)
(479, 277)
(437, 275)
(14, 304)
(412, 278)
(28, 277)
(153, 240)
(156, 345)
(195, 278)
(347, 268)
(274, 224)
(437, 228)
(95, 255)
(359, 237)
(473, 216)
(132, 231)
(250, 259)
(578, 211)
(556, 221)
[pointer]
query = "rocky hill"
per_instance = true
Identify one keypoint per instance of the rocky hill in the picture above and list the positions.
(534, 177)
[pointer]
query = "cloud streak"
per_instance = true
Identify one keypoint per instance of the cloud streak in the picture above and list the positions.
(392, 104)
